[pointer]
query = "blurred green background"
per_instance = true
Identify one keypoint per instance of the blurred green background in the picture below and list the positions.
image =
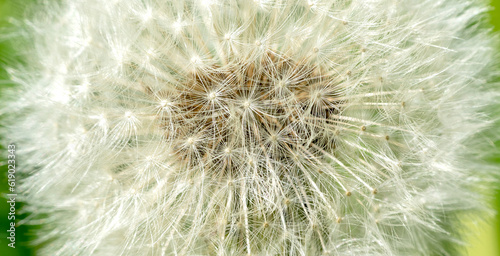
(483, 241)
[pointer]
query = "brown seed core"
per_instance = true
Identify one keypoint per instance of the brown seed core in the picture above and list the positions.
(261, 112)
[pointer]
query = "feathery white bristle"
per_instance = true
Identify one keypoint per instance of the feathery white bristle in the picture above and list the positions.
(270, 127)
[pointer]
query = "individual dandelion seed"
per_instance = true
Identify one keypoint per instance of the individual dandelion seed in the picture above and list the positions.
(280, 127)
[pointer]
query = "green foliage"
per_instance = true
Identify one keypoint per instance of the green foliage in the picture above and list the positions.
(8, 8)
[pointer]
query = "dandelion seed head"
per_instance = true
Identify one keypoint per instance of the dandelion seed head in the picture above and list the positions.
(266, 127)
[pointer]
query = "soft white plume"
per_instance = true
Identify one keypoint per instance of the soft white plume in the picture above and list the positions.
(265, 127)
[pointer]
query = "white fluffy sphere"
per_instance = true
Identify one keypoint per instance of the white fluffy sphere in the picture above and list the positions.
(264, 127)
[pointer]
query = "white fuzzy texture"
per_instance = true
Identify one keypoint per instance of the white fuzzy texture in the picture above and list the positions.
(271, 127)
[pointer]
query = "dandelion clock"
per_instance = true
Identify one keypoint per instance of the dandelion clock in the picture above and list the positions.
(271, 127)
